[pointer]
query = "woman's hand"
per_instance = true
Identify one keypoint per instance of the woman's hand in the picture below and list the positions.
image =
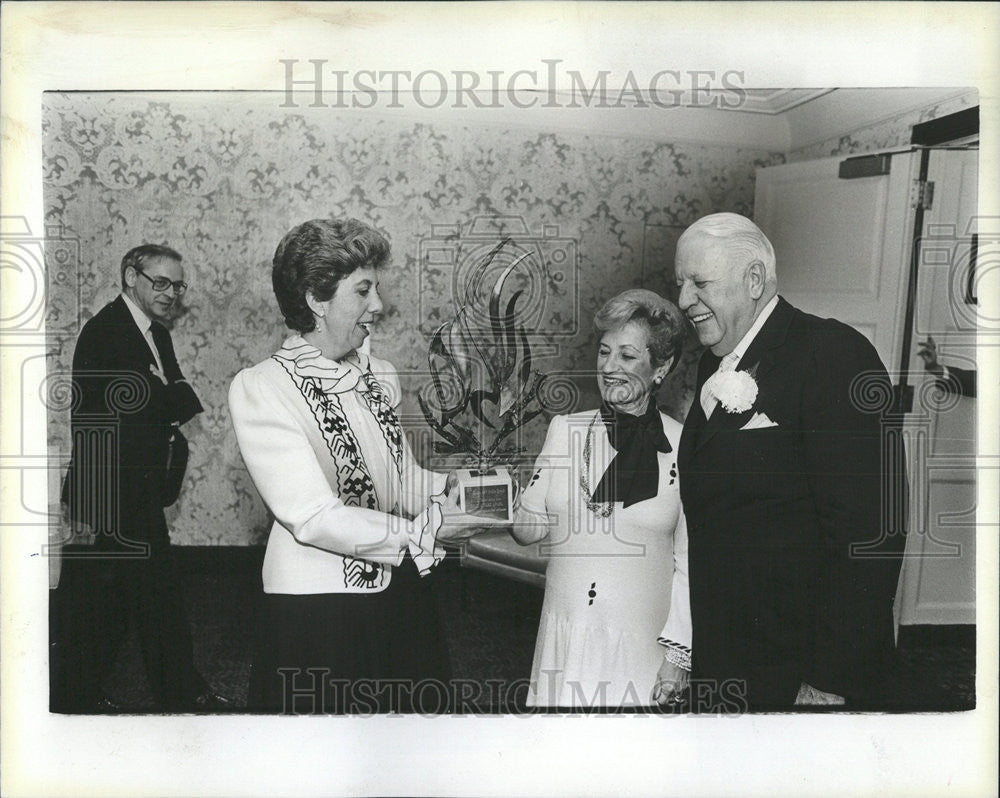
(459, 525)
(671, 682)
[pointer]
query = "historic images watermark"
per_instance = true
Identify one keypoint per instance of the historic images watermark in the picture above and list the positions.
(548, 85)
(315, 691)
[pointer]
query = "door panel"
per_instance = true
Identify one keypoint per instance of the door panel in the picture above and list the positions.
(841, 244)
(843, 251)
(938, 582)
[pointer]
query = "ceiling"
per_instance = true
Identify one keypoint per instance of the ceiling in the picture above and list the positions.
(778, 120)
(782, 120)
(777, 101)
(774, 120)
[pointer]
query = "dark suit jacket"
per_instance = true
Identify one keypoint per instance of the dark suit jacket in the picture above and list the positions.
(792, 578)
(122, 419)
(960, 381)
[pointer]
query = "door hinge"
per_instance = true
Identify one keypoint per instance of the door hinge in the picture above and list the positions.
(922, 194)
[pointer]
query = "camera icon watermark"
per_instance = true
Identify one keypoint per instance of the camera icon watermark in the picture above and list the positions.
(548, 278)
(955, 262)
(33, 266)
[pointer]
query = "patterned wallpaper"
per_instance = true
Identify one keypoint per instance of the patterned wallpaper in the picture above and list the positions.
(886, 135)
(222, 177)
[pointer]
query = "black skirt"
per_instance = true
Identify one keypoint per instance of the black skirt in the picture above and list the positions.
(356, 653)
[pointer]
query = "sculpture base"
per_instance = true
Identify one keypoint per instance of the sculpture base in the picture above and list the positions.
(488, 493)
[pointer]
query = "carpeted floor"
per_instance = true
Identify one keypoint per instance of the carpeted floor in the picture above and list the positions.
(490, 625)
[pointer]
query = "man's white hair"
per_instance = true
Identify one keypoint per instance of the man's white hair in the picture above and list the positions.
(744, 240)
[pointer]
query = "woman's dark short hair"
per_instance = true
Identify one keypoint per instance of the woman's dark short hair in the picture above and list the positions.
(315, 256)
(662, 319)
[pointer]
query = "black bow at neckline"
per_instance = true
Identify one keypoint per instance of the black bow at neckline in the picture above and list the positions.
(634, 473)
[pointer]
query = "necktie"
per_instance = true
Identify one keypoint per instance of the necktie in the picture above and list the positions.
(709, 401)
(155, 349)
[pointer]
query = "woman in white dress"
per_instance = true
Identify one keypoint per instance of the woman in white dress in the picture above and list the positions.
(604, 504)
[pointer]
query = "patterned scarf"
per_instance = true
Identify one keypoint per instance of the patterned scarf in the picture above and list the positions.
(322, 382)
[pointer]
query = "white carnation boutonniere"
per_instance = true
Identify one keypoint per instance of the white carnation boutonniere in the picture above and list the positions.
(735, 390)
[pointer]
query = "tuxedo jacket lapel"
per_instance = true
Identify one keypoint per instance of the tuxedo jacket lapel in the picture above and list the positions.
(136, 347)
(722, 419)
(183, 403)
(177, 399)
(695, 421)
(761, 355)
(165, 346)
(759, 359)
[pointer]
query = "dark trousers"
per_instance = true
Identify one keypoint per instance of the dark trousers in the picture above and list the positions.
(98, 598)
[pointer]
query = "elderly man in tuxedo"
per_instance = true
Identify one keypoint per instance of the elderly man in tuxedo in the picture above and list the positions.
(129, 399)
(792, 483)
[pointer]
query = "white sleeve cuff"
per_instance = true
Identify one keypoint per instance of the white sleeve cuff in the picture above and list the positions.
(424, 548)
(679, 655)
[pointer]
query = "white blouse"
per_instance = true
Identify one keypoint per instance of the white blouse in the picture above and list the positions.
(326, 453)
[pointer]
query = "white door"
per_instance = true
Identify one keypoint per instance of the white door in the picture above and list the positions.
(843, 251)
(842, 245)
(938, 582)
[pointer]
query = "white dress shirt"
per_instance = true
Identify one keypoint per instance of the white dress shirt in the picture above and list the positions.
(732, 359)
(145, 325)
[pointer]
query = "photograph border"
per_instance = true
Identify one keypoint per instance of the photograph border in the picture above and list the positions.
(239, 46)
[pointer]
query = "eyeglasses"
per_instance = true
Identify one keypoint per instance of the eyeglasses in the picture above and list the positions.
(163, 283)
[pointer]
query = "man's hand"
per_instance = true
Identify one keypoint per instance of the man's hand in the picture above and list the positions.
(810, 696)
(928, 353)
(75, 532)
(157, 373)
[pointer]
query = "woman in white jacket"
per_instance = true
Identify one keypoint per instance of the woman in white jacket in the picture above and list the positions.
(347, 623)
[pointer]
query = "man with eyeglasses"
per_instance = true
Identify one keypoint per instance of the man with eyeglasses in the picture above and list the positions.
(130, 398)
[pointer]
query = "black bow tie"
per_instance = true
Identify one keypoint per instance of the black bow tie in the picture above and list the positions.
(634, 473)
